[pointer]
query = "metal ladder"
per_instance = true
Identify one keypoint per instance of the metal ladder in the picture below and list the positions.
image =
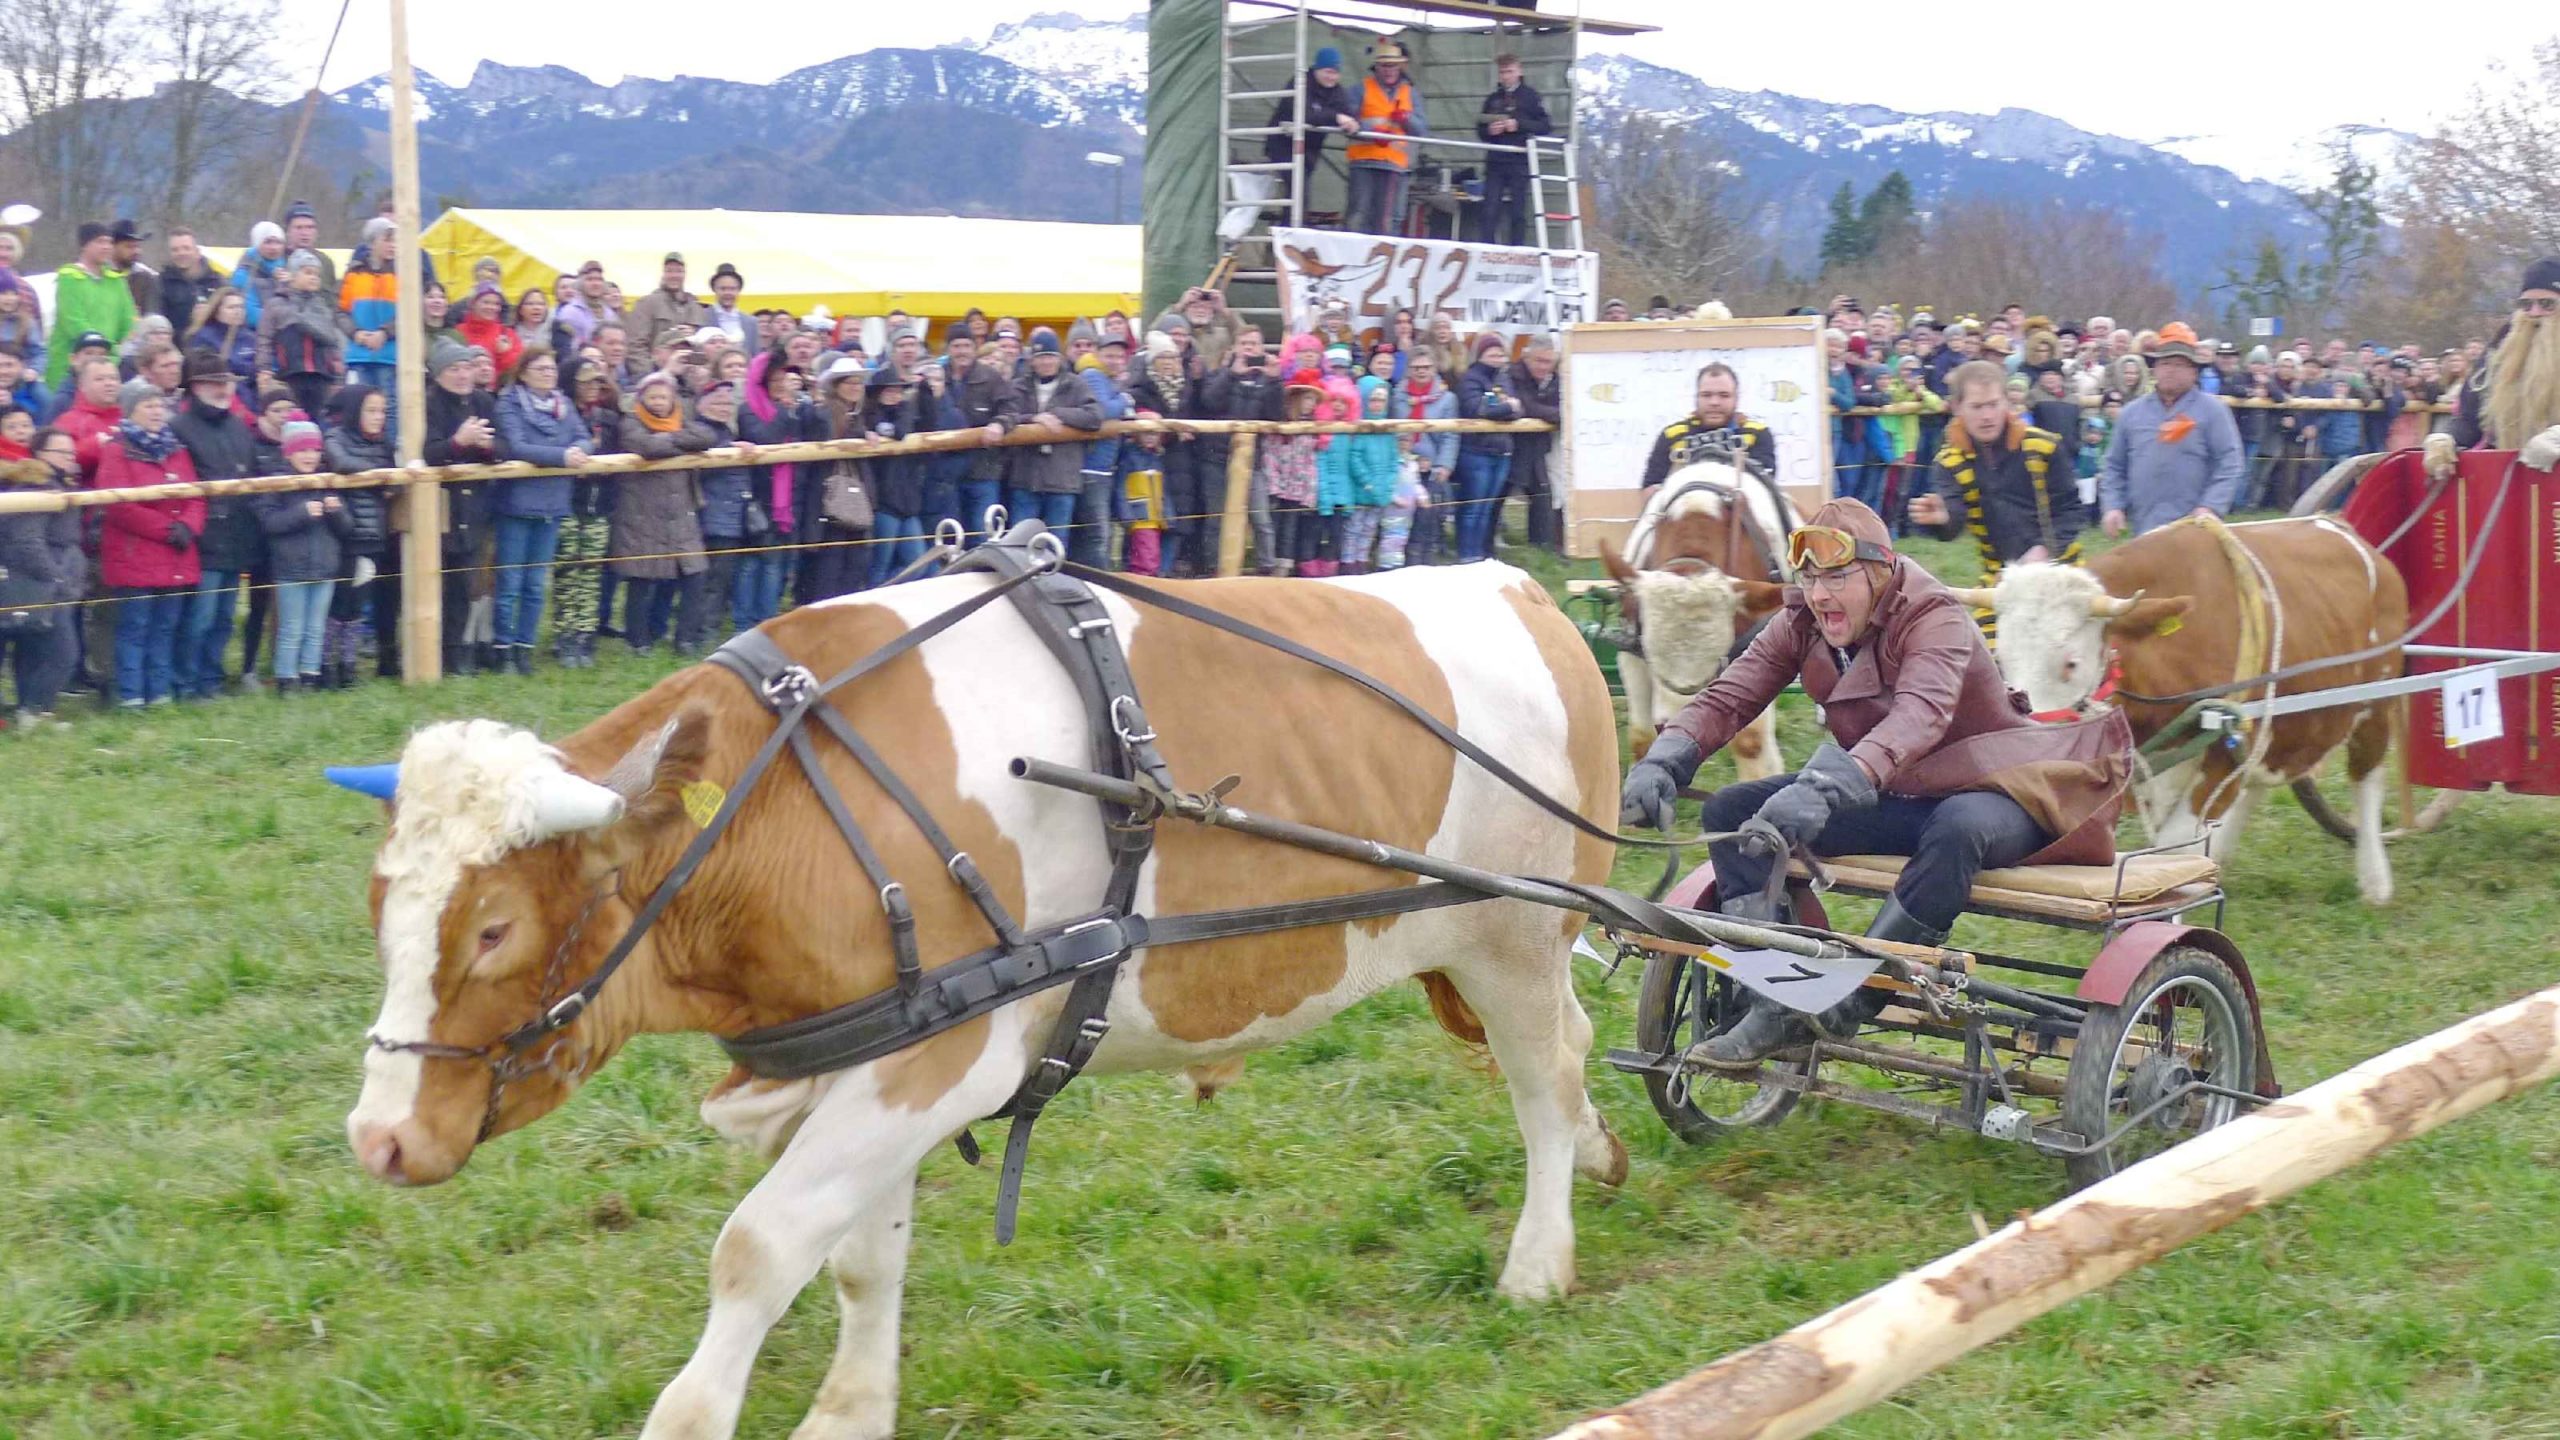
(1544, 149)
(1252, 256)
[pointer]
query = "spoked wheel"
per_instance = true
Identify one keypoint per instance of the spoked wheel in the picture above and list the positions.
(2184, 1020)
(1680, 1003)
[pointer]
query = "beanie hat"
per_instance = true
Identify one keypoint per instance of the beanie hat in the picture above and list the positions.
(268, 397)
(1328, 58)
(1044, 341)
(1083, 330)
(134, 392)
(1338, 355)
(300, 210)
(1171, 323)
(302, 260)
(2542, 274)
(2258, 355)
(1160, 346)
(264, 231)
(300, 435)
(447, 353)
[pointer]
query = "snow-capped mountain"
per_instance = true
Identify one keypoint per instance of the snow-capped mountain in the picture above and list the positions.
(1001, 128)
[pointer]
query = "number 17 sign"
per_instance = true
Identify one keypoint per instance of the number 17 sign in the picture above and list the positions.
(2471, 707)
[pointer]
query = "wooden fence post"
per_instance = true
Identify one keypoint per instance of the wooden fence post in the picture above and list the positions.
(1236, 514)
(421, 550)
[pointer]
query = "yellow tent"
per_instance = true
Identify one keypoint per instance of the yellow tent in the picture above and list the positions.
(856, 265)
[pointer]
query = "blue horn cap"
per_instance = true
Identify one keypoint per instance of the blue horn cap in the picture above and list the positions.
(379, 781)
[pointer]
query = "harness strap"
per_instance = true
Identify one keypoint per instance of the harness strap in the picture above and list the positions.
(893, 896)
(964, 989)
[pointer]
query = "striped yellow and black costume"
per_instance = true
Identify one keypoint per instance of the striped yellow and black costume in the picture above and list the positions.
(2010, 498)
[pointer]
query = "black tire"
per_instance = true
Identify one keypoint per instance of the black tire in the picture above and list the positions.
(1670, 1017)
(2117, 1065)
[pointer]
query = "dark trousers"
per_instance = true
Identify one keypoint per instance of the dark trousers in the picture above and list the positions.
(649, 605)
(253, 631)
(42, 658)
(1503, 217)
(385, 597)
(1950, 841)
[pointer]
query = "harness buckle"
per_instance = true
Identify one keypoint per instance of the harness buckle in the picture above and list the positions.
(785, 689)
(1078, 630)
(1126, 728)
(569, 1008)
(892, 895)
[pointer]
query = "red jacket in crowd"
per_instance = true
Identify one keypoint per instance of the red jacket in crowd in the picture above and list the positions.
(134, 549)
(87, 425)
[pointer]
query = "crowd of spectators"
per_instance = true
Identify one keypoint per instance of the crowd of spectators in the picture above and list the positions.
(2074, 378)
(184, 373)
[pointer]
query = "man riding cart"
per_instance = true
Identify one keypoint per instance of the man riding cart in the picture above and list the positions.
(1931, 756)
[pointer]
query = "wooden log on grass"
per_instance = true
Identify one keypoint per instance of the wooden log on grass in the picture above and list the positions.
(1861, 1352)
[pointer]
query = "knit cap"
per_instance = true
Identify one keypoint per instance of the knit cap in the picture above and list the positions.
(134, 392)
(300, 435)
(1161, 346)
(447, 353)
(302, 260)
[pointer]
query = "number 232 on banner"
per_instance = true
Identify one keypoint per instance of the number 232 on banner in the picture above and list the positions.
(2471, 708)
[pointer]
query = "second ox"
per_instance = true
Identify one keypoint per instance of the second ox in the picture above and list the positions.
(2198, 604)
(1702, 566)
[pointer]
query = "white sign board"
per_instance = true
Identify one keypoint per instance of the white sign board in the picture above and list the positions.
(2471, 707)
(1479, 287)
(1624, 382)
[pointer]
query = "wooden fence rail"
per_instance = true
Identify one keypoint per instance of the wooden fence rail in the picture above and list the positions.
(1838, 1363)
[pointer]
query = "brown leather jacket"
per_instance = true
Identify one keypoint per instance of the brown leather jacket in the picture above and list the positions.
(1922, 704)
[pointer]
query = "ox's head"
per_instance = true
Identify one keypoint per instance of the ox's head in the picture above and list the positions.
(496, 891)
(2059, 629)
(1688, 614)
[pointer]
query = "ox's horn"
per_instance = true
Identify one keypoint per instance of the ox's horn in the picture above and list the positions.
(379, 781)
(2115, 607)
(563, 803)
(1977, 597)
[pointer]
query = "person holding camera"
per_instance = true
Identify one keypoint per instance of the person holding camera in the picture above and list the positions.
(1247, 387)
(1513, 115)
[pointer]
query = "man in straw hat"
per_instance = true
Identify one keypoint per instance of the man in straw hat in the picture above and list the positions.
(2512, 400)
(1928, 758)
(1389, 105)
(2177, 451)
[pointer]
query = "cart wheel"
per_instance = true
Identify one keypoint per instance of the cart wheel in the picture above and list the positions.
(2184, 1020)
(1680, 1003)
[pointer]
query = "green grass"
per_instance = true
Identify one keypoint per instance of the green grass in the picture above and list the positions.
(186, 1248)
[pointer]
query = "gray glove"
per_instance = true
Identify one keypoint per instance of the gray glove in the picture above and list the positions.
(1654, 782)
(1829, 781)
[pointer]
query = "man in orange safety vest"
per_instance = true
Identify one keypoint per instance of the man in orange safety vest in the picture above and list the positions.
(1380, 168)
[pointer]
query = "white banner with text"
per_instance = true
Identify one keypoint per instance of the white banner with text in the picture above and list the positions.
(1479, 287)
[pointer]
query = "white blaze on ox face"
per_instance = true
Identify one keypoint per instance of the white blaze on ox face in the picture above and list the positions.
(470, 792)
(1689, 625)
(2051, 647)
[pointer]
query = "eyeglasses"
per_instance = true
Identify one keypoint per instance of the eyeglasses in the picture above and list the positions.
(2539, 306)
(1833, 581)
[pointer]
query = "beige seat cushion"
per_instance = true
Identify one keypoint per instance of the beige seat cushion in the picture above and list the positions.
(2146, 877)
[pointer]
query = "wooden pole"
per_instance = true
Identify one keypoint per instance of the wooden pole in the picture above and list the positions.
(852, 447)
(1838, 1363)
(421, 549)
(1237, 511)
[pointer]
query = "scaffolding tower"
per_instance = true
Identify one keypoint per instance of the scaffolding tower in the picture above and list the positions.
(1264, 50)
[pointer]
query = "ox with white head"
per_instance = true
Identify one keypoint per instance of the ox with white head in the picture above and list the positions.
(490, 899)
(2059, 630)
(1686, 611)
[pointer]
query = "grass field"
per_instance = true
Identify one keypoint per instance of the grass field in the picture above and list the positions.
(187, 1249)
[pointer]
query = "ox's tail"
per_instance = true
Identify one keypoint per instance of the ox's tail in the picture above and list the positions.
(1450, 1008)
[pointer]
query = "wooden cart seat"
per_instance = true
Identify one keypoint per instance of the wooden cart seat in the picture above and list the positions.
(2086, 893)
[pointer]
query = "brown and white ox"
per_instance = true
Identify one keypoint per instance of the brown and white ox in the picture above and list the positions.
(498, 841)
(2162, 614)
(1689, 582)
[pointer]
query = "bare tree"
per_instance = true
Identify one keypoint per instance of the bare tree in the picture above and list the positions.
(1666, 213)
(1975, 256)
(211, 57)
(62, 62)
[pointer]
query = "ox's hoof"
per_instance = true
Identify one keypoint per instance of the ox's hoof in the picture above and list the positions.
(1535, 1280)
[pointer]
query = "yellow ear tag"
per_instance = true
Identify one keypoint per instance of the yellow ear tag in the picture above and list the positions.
(702, 800)
(2169, 625)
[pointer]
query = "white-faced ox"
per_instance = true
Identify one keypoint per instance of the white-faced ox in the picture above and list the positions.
(2163, 614)
(512, 865)
(1690, 583)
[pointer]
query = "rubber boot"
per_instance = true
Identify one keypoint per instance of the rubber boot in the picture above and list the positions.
(485, 656)
(1844, 1020)
(521, 659)
(458, 660)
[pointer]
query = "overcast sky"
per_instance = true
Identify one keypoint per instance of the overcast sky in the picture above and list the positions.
(2261, 71)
